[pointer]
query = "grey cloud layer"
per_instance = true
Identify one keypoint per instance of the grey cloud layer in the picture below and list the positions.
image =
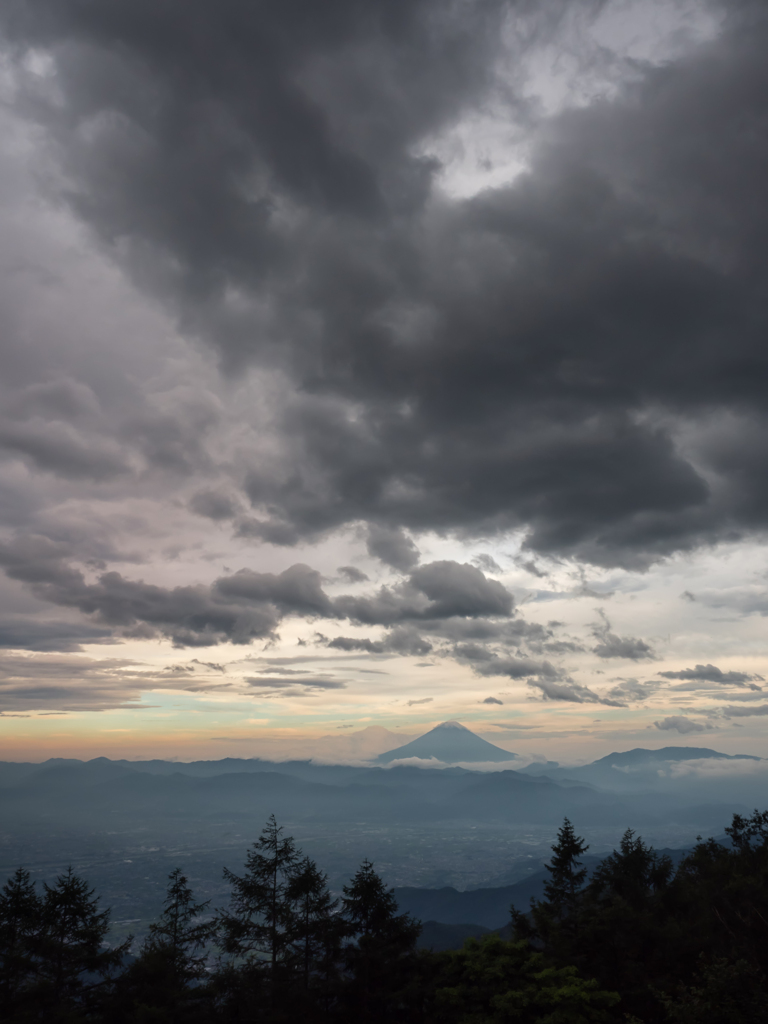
(682, 724)
(713, 674)
(249, 605)
(612, 646)
(446, 606)
(579, 353)
(745, 712)
(71, 683)
(526, 357)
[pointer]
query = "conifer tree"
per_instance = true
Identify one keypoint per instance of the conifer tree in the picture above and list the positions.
(382, 943)
(178, 933)
(316, 931)
(164, 980)
(259, 923)
(566, 877)
(20, 924)
(72, 952)
(556, 914)
(632, 873)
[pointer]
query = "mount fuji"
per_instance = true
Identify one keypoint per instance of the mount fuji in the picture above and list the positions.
(451, 743)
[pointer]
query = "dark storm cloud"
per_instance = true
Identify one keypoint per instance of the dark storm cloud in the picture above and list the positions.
(281, 683)
(350, 643)
(713, 674)
(399, 640)
(59, 448)
(492, 700)
(612, 646)
(632, 690)
(552, 682)
(513, 668)
(437, 590)
(213, 505)
(392, 546)
(61, 427)
(487, 563)
(521, 358)
(456, 637)
(530, 566)
(571, 692)
(64, 398)
(460, 589)
(747, 600)
(21, 633)
(351, 574)
(239, 608)
(297, 589)
(406, 640)
(744, 712)
(507, 632)
(460, 635)
(249, 605)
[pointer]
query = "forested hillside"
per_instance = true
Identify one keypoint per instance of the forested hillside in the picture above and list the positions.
(638, 940)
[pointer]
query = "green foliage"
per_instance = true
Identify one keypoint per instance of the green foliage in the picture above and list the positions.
(633, 873)
(642, 928)
(725, 991)
(495, 982)
(723, 894)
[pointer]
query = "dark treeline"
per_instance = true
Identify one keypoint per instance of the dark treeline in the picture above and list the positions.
(636, 942)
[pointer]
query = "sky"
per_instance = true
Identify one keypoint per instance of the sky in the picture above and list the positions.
(376, 363)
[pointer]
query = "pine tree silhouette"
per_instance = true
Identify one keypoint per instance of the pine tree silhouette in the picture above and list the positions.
(382, 943)
(566, 877)
(74, 960)
(259, 923)
(20, 923)
(178, 933)
(316, 930)
(164, 981)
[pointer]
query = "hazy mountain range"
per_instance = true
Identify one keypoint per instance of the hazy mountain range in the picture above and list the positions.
(434, 808)
(680, 784)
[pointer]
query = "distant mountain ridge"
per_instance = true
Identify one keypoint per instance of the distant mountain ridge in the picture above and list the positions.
(635, 758)
(489, 906)
(451, 743)
(642, 755)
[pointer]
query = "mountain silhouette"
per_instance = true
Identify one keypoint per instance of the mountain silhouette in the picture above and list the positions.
(640, 755)
(450, 742)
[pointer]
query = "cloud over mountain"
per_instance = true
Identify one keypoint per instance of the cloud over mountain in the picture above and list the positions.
(378, 284)
(290, 232)
(247, 605)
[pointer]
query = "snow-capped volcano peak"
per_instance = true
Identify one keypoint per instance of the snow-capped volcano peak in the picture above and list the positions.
(450, 742)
